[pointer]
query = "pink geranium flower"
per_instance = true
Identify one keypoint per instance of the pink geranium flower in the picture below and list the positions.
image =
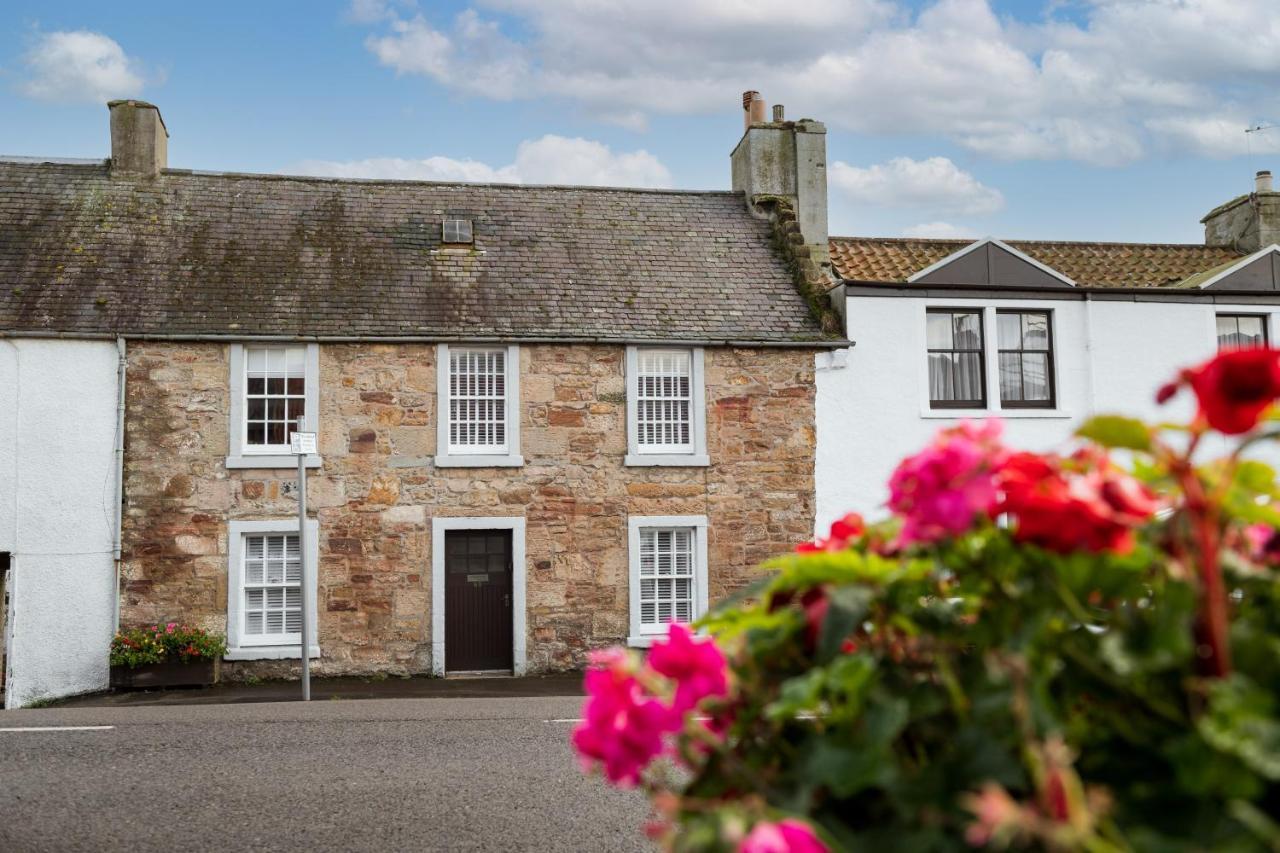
(623, 726)
(941, 490)
(785, 836)
(698, 667)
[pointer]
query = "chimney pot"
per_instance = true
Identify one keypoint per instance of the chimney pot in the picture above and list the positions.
(752, 108)
(1262, 181)
(139, 140)
(778, 113)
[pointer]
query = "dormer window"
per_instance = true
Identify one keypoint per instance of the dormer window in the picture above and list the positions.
(456, 231)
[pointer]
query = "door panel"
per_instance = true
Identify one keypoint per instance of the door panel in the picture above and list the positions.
(477, 600)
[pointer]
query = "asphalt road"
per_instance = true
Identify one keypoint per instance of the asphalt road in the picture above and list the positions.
(387, 774)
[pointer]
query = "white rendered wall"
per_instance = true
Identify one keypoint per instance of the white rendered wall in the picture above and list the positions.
(57, 496)
(1109, 357)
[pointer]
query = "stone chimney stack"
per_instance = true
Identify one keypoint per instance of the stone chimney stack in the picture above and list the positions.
(1246, 223)
(139, 140)
(784, 161)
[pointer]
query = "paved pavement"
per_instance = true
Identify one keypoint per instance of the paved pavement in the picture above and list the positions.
(382, 774)
(324, 689)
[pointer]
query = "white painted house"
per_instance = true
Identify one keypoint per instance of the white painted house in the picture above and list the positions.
(59, 513)
(1041, 334)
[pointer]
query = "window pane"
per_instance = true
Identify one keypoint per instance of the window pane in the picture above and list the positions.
(942, 384)
(968, 376)
(1035, 376)
(667, 553)
(1009, 330)
(664, 397)
(1237, 331)
(938, 330)
(1010, 376)
(477, 400)
(968, 331)
(1035, 331)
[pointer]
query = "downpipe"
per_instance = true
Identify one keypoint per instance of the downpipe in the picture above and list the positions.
(121, 369)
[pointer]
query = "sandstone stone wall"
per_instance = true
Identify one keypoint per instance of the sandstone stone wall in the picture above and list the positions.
(378, 490)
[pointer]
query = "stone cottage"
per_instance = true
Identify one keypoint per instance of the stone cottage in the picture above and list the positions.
(549, 418)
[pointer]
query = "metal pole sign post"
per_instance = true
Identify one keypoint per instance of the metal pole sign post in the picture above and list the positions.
(300, 444)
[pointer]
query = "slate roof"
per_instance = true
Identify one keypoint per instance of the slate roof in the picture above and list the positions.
(82, 251)
(894, 259)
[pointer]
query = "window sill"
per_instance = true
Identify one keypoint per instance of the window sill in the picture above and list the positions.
(670, 460)
(268, 653)
(462, 460)
(643, 641)
(1005, 414)
(270, 460)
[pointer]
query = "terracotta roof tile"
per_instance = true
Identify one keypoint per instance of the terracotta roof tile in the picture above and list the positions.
(197, 253)
(895, 259)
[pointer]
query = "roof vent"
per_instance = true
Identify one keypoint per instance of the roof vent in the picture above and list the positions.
(456, 231)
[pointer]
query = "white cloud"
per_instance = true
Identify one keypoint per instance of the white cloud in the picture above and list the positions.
(473, 57)
(940, 230)
(373, 11)
(548, 160)
(935, 184)
(79, 66)
(1104, 87)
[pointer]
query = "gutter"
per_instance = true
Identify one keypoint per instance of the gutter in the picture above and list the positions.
(821, 343)
(1079, 292)
(121, 367)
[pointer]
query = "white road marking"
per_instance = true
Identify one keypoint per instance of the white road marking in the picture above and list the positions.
(565, 720)
(56, 728)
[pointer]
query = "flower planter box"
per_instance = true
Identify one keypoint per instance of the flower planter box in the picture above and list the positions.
(156, 676)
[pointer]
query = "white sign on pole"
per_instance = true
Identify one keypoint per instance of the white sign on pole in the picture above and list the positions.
(302, 443)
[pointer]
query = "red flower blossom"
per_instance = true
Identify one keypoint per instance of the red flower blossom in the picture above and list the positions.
(698, 667)
(1233, 388)
(623, 726)
(785, 836)
(1083, 504)
(843, 532)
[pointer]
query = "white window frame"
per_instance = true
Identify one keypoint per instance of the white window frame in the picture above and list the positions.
(241, 454)
(448, 458)
(516, 524)
(288, 646)
(640, 636)
(991, 358)
(697, 455)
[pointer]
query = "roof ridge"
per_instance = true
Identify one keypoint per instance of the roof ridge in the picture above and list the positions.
(22, 160)
(1014, 241)
(329, 179)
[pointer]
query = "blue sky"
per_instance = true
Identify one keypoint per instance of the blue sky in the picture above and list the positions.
(1071, 119)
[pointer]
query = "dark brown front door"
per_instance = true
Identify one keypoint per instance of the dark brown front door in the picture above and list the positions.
(477, 600)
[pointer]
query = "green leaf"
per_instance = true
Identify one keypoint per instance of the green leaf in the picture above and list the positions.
(847, 608)
(1255, 476)
(1116, 431)
(1241, 721)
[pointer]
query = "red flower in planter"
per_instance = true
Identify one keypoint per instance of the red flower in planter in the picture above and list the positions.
(941, 490)
(698, 667)
(623, 726)
(843, 533)
(1233, 389)
(1081, 505)
(785, 836)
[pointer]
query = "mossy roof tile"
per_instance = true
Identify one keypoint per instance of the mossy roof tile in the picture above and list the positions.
(82, 251)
